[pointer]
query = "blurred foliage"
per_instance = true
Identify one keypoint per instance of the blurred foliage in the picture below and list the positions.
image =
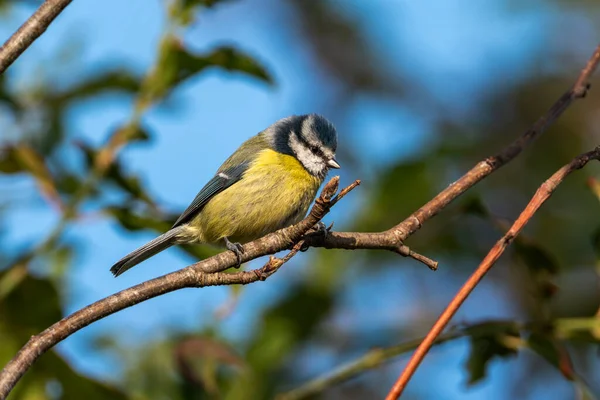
(552, 316)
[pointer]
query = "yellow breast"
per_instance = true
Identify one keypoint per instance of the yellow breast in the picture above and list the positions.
(274, 192)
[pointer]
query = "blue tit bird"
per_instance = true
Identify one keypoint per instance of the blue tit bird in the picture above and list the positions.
(267, 184)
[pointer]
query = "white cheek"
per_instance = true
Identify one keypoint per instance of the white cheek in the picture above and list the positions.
(314, 164)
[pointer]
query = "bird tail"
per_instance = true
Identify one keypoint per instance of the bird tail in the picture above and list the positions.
(151, 248)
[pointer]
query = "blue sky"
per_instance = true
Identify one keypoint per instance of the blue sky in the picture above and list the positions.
(453, 49)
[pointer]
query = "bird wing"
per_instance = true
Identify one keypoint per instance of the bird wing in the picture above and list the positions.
(221, 181)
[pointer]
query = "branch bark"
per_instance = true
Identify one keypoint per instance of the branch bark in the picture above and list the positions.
(541, 195)
(29, 31)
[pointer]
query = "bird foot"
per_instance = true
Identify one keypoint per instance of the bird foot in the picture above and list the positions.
(237, 249)
(319, 229)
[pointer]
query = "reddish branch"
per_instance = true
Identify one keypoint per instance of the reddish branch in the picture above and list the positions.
(540, 197)
(29, 31)
(577, 91)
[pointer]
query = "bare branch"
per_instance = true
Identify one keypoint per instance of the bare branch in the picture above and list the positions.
(540, 197)
(29, 31)
(484, 168)
(204, 273)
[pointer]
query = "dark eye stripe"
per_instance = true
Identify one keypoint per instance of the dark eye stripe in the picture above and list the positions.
(314, 149)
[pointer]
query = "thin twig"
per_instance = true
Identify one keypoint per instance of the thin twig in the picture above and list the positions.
(29, 31)
(541, 195)
(275, 263)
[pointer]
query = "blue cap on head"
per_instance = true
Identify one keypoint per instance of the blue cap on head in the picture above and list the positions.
(311, 138)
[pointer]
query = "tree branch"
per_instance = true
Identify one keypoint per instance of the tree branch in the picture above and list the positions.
(29, 31)
(541, 195)
(207, 272)
(393, 238)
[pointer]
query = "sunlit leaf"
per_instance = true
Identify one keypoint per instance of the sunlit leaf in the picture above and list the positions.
(587, 329)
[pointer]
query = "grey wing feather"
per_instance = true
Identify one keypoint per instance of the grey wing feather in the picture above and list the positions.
(224, 179)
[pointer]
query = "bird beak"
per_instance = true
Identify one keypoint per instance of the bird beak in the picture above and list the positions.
(333, 163)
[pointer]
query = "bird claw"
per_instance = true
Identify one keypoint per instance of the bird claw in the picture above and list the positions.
(237, 249)
(319, 229)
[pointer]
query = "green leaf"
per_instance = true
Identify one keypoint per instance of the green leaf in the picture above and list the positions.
(541, 264)
(474, 206)
(556, 353)
(488, 341)
(130, 184)
(184, 10)
(535, 256)
(232, 60)
(553, 352)
(9, 162)
(596, 242)
(110, 81)
(587, 329)
(176, 64)
(136, 222)
(200, 361)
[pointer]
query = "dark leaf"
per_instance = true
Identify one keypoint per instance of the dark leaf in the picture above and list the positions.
(184, 10)
(134, 222)
(488, 341)
(596, 241)
(199, 360)
(111, 81)
(535, 256)
(9, 162)
(130, 184)
(554, 352)
(475, 206)
(176, 64)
